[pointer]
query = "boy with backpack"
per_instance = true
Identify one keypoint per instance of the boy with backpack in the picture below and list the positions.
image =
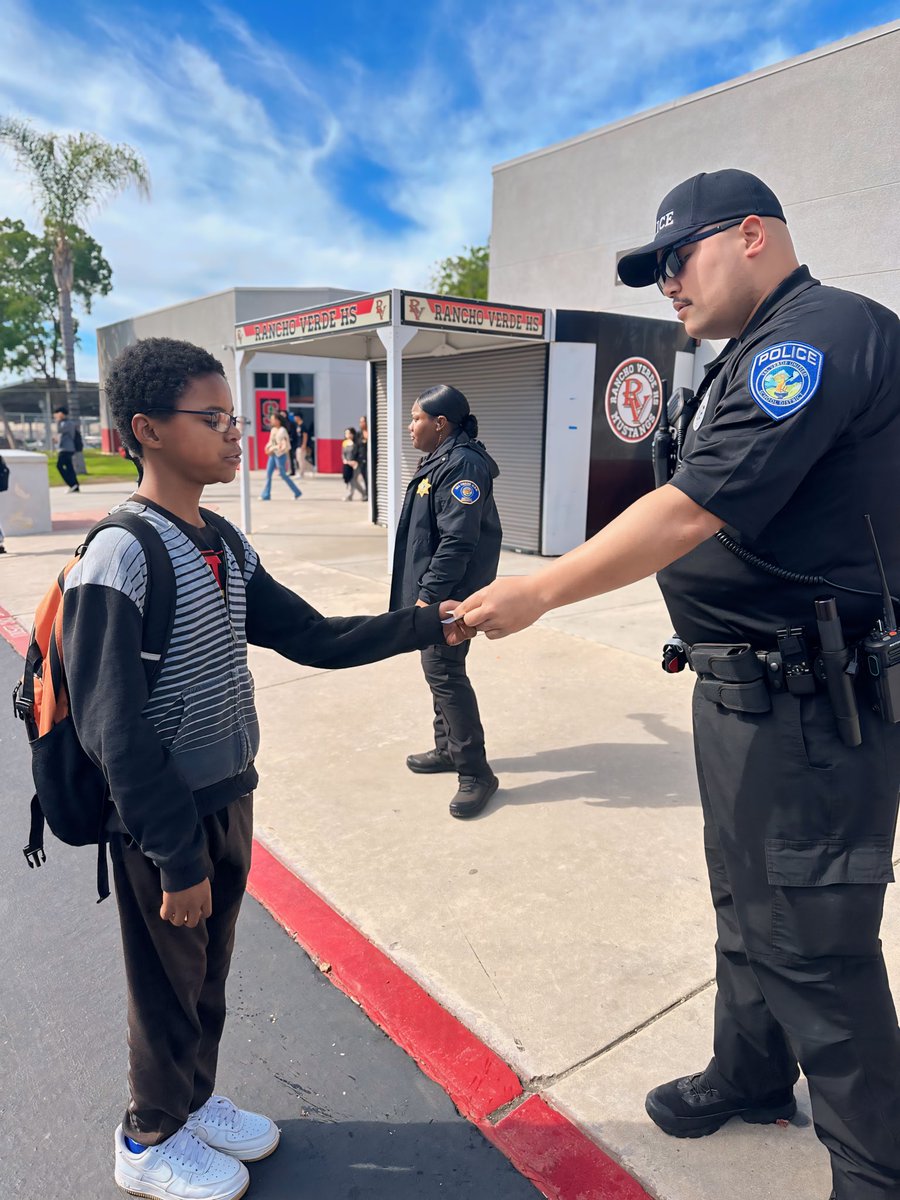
(179, 758)
(70, 444)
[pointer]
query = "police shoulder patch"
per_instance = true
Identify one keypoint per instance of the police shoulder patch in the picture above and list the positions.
(465, 491)
(784, 378)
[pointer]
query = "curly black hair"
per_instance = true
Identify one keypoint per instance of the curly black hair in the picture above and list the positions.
(153, 373)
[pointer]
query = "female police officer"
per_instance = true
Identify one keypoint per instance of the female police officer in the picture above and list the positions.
(796, 439)
(448, 545)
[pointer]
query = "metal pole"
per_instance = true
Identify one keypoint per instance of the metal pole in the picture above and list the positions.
(395, 337)
(240, 357)
(48, 422)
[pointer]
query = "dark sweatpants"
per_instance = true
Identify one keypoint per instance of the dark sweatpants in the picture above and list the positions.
(799, 833)
(457, 724)
(176, 977)
(66, 468)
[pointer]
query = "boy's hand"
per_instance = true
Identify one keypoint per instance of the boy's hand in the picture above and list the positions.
(187, 908)
(459, 632)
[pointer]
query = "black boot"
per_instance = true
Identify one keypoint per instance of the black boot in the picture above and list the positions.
(430, 762)
(691, 1107)
(474, 793)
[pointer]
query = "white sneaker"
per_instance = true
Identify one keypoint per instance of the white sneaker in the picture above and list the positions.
(180, 1168)
(248, 1136)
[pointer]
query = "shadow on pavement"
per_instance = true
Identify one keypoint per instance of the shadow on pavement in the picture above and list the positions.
(614, 775)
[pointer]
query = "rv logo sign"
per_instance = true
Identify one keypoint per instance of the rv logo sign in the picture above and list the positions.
(633, 400)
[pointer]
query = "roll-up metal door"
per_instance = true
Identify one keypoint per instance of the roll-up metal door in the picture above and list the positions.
(506, 390)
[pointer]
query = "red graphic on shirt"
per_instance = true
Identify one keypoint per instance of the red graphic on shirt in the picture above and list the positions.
(214, 562)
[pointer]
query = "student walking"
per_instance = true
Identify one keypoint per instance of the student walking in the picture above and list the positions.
(362, 456)
(278, 448)
(4, 485)
(290, 424)
(350, 466)
(69, 436)
(179, 761)
(302, 445)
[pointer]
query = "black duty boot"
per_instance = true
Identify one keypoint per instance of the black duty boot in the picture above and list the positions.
(474, 793)
(691, 1107)
(430, 762)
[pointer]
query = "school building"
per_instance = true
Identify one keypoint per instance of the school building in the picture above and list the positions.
(330, 394)
(821, 129)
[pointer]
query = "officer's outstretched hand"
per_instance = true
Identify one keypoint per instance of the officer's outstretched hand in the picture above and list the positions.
(459, 631)
(503, 607)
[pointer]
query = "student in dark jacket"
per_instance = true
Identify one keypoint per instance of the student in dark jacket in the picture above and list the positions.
(448, 541)
(180, 762)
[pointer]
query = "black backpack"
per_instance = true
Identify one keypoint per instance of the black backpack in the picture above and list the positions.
(4, 475)
(71, 794)
(77, 440)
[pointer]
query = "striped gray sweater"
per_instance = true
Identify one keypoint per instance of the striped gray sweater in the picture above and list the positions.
(188, 749)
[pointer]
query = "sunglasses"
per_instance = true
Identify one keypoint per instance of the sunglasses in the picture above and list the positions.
(218, 421)
(671, 263)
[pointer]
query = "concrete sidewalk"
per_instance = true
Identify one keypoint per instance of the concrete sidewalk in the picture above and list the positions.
(568, 926)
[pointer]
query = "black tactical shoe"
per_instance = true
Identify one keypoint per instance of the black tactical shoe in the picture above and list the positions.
(690, 1107)
(429, 763)
(473, 795)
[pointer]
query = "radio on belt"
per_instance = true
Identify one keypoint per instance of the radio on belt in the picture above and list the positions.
(881, 650)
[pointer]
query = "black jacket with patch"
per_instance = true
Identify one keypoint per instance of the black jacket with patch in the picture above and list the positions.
(448, 537)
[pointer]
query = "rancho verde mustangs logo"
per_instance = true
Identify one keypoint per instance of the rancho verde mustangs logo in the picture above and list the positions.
(784, 378)
(633, 400)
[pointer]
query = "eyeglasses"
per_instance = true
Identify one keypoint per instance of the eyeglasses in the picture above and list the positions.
(671, 263)
(217, 420)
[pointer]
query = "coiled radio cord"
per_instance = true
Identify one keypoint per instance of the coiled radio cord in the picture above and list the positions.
(754, 560)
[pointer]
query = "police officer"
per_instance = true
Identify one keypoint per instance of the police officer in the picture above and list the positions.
(448, 544)
(795, 438)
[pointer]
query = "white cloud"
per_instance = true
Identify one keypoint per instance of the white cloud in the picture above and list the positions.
(240, 191)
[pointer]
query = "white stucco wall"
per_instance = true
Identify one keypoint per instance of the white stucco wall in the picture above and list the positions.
(821, 130)
(209, 321)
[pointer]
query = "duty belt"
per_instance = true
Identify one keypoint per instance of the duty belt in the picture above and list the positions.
(742, 679)
(731, 675)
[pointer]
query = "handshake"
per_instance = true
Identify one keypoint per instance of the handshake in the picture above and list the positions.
(503, 607)
(456, 631)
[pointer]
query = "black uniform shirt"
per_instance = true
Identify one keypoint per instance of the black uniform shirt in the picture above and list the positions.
(797, 438)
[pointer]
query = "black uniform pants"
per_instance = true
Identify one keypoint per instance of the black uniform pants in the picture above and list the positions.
(457, 724)
(799, 833)
(176, 977)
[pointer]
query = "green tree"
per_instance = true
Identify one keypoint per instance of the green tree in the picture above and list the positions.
(30, 338)
(464, 275)
(71, 177)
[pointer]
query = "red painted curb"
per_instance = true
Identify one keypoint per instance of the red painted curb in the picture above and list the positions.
(542, 1144)
(557, 1157)
(14, 633)
(476, 1079)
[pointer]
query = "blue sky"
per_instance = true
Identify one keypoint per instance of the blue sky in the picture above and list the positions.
(347, 143)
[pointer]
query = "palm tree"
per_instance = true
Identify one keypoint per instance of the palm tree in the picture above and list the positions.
(71, 176)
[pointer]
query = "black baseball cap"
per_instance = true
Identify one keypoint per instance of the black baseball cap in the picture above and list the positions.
(704, 199)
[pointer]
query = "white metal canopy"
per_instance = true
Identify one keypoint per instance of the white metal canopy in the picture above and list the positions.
(385, 326)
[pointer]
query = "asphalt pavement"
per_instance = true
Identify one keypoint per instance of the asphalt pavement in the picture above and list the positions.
(358, 1118)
